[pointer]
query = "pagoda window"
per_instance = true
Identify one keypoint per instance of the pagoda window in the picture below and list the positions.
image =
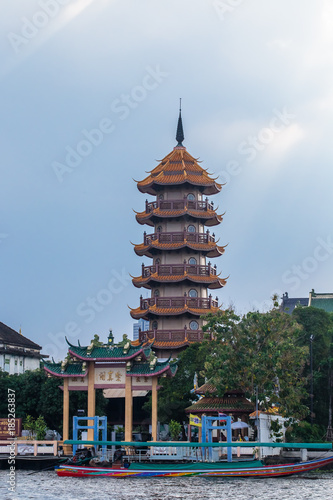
(161, 196)
(158, 260)
(191, 228)
(154, 325)
(192, 261)
(192, 293)
(194, 325)
(156, 293)
(191, 197)
(159, 229)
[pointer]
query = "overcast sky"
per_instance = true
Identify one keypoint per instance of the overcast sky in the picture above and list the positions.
(89, 102)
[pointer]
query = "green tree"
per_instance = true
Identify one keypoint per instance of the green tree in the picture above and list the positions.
(175, 429)
(318, 325)
(175, 394)
(259, 350)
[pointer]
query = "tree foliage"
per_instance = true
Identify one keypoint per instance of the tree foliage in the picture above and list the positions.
(259, 350)
(318, 325)
(175, 394)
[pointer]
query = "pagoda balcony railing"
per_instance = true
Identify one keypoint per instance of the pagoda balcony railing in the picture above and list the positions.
(179, 302)
(179, 237)
(178, 270)
(173, 335)
(202, 205)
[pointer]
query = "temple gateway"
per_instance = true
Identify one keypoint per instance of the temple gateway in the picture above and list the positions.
(180, 281)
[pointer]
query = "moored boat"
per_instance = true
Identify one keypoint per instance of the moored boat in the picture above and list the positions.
(245, 468)
(234, 469)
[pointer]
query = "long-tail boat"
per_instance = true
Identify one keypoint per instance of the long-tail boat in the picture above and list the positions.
(240, 468)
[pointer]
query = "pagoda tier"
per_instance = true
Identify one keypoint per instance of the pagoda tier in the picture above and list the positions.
(151, 275)
(164, 209)
(179, 277)
(164, 241)
(174, 306)
(171, 339)
(176, 169)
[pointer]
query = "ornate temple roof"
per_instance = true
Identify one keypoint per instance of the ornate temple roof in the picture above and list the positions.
(107, 352)
(177, 168)
(225, 404)
(79, 370)
(213, 281)
(69, 370)
(172, 344)
(207, 217)
(210, 248)
(209, 388)
(162, 367)
(171, 311)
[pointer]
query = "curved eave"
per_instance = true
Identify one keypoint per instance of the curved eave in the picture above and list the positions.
(158, 371)
(213, 282)
(64, 375)
(211, 250)
(170, 311)
(153, 187)
(172, 345)
(208, 219)
(92, 358)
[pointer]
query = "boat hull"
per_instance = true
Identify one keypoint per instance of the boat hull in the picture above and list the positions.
(210, 470)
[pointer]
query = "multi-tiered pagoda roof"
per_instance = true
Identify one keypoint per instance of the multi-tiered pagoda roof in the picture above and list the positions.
(179, 277)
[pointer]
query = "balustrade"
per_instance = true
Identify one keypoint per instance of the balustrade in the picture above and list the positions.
(179, 302)
(178, 270)
(179, 237)
(202, 205)
(172, 335)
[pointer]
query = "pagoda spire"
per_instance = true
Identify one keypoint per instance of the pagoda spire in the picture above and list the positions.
(180, 132)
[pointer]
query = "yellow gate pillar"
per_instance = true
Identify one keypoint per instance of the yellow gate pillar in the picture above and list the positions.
(154, 409)
(91, 398)
(65, 417)
(128, 409)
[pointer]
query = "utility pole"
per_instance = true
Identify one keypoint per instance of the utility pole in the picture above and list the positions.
(311, 379)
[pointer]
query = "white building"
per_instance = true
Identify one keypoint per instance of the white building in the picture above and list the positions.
(17, 353)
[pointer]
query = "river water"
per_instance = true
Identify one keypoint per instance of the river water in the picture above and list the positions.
(48, 486)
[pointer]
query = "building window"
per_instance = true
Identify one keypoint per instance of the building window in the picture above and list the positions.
(191, 229)
(154, 325)
(191, 197)
(15, 362)
(192, 293)
(192, 261)
(21, 363)
(161, 196)
(156, 293)
(159, 229)
(158, 260)
(194, 325)
(6, 361)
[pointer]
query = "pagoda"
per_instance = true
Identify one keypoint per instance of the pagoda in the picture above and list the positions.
(179, 278)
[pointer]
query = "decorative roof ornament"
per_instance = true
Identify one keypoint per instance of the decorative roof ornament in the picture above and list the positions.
(180, 133)
(110, 338)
